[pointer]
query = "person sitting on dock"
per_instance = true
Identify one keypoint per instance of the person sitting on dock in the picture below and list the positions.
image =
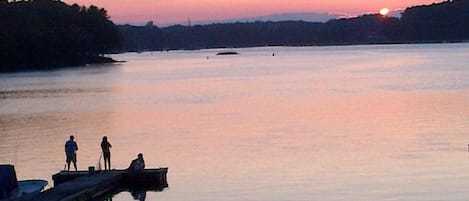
(138, 164)
(70, 151)
(105, 146)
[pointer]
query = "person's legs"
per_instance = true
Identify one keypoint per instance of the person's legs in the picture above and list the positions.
(74, 160)
(109, 161)
(68, 160)
(105, 163)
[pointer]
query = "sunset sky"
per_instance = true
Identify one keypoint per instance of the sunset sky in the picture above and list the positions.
(164, 12)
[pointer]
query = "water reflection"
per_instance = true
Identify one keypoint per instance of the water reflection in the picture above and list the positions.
(44, 93)
(137, 193)
(312, 123)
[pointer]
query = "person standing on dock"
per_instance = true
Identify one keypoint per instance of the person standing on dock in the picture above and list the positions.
(105, 146)
(70, 151)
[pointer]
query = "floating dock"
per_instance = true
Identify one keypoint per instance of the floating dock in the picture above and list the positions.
(88, 185)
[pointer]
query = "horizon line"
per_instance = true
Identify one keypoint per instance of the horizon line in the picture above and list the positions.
(395, 13)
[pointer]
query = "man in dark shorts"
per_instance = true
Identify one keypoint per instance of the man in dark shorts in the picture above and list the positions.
(70, 151)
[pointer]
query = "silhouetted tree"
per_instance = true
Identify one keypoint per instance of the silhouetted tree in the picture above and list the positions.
(364, 29)
(40, 34)
(139, 38)
(445, 21)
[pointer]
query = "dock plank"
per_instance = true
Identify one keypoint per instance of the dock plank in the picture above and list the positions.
(82, 188)
(84, 185)
(148, 177)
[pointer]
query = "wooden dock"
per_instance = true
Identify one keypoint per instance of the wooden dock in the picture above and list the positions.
(85, 185)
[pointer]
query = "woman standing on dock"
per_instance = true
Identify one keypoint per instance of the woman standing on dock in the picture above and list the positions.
(105, 146)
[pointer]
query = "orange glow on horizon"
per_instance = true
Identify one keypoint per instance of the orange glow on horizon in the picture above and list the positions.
(177, 11)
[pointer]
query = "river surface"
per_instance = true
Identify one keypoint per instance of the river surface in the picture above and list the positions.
(376, 122)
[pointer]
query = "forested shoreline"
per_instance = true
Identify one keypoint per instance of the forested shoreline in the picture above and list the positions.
(440, 22)
(46, 34)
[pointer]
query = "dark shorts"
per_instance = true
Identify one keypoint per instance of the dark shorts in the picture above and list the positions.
(71, 157)
(106, 155)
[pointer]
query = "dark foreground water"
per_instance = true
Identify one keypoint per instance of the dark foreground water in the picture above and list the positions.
(310, 123)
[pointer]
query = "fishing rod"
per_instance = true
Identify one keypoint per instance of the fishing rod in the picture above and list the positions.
(99, 161)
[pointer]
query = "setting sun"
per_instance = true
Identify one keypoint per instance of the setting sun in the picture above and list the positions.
(384, 11)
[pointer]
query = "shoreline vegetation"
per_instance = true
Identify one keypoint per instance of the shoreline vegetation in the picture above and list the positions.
(436, 23)
(48, 34)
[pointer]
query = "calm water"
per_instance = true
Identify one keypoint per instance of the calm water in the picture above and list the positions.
(310, 123)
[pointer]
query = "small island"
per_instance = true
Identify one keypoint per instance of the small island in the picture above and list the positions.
(227, 53)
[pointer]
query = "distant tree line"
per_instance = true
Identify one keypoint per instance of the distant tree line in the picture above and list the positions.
(150, 37)
(440, 22)
(42, 34)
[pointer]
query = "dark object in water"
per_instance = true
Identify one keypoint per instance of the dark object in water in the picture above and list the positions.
(12, 189)
(27, 189)
(8, 181)
(227, 53)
